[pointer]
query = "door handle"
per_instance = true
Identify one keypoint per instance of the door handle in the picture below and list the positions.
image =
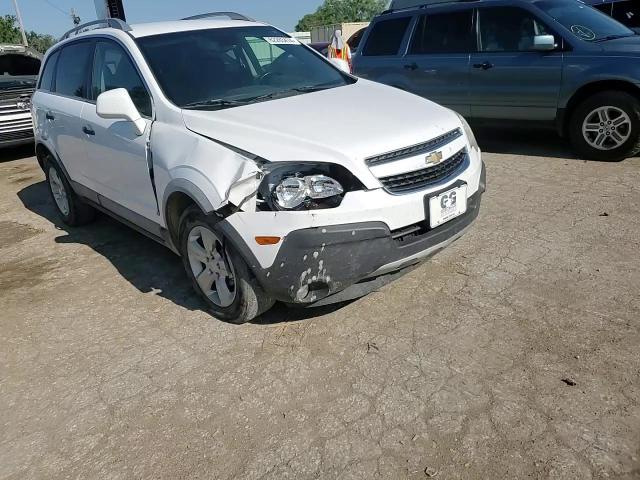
(88, 130)
(411, 66)
(483, 65)
(49, 116)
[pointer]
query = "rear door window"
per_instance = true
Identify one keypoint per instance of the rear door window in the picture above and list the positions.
(72, 70)
(48, 73)
(386, 37)
(444, 33)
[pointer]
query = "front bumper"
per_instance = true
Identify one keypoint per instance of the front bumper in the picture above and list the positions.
(322, 265)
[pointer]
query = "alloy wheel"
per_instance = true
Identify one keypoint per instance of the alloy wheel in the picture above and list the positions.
(59, 191)
(606, 128)
(211, 267)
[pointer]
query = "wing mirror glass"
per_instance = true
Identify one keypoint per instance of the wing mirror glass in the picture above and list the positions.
(544, 43)
(117, 104)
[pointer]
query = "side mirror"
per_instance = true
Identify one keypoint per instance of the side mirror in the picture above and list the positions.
(544, 43)
(341, 64)
(117, 104)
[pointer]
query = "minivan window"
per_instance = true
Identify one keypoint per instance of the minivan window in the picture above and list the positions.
(386, 37)
(229, 67)
(71, 72)
(444, 33)
(46, 79)
(508, 29)
(627, 13)
(584, 22)
(112, 68)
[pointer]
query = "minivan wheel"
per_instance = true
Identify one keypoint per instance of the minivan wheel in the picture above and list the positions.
(73, 211)
(219, 274)
(606, 126)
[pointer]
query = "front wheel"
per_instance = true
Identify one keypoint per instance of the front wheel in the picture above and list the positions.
(606, 126)
(219, 274)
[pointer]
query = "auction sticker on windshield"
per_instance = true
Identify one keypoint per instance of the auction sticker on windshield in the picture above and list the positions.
(447, 206)
(281, 40)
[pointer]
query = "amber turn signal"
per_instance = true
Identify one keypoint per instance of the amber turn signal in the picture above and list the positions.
(267, 240)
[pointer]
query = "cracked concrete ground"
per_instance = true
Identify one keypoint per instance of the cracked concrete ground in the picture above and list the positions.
(463, 369)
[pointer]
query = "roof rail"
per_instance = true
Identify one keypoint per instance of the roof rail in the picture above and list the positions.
(109, 23)
(399, 5)
(229, 15)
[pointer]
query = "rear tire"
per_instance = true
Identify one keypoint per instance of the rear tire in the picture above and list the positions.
(606, 126)
(72, 210)
(219, 274)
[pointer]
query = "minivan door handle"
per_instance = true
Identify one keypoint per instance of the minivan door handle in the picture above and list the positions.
(88, 130)
(49, 116)
(411, 66)
(483, 65)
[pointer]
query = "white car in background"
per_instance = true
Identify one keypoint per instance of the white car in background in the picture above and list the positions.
(219, 138)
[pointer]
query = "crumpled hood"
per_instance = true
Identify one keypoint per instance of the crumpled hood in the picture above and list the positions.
(343, 125)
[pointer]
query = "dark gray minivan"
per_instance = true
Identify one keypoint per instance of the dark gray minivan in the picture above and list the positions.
(554, 62)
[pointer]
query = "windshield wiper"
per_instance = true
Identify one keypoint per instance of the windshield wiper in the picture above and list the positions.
(611, 37)
(217, 103)
(287, 93)
(312, 88)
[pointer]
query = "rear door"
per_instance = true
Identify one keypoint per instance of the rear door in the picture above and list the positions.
(510, 80)
(117, 157)
(63, 112)
(437, 64)
(381, 57)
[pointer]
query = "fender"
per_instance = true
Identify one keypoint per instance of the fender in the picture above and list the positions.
(189, 188)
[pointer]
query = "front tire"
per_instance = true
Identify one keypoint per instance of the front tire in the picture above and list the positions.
(606, 126)
(72, 210)
(219, 274)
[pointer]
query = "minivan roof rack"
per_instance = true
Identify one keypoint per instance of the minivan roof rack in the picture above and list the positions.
(108, 22)
(398, 5)
(229, 15)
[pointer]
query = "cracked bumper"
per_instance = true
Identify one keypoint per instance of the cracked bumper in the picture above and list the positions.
(332, 263)
(316, 264)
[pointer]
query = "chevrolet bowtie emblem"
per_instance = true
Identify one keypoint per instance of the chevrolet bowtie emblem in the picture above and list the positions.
(434, 158)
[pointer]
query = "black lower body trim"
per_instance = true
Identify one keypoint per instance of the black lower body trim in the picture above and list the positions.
(315, 264)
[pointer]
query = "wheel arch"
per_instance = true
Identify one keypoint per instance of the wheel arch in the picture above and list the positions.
(592, 88)
(42, 152)
(179, 195)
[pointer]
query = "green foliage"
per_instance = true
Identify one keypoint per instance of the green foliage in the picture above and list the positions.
(339, 11)
(10, 33)
(40, 42)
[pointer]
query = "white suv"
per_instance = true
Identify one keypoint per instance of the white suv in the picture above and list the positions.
(275, 175)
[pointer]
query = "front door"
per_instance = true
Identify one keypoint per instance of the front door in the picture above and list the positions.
(117, 155)
(509, 79)
(437, 63)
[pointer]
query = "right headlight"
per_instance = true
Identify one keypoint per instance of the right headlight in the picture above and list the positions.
(305, 186)
(292, 192)
(468, 132)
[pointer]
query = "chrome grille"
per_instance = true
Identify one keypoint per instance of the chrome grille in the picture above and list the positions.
(425, 147)
(418, 179)
(19, 135)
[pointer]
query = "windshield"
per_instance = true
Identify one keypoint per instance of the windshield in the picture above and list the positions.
(229, 67)
(584, 22)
